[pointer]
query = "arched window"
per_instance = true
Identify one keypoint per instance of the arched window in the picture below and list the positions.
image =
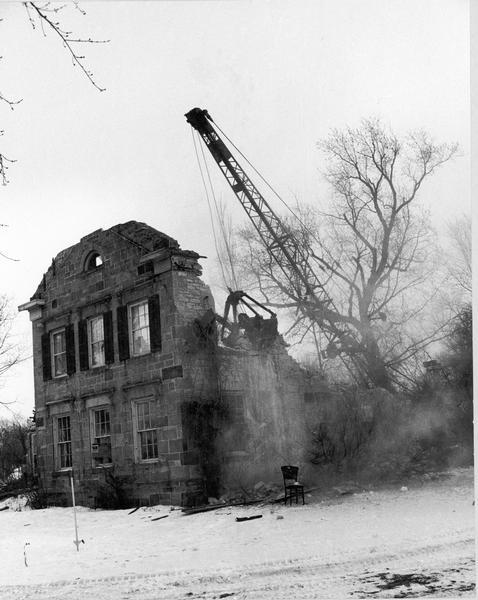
(93, 261)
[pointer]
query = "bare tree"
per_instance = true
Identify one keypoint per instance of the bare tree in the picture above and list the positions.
(371, 249)
(10, 352)
(45, 16)
(13, 446)
(459, 264)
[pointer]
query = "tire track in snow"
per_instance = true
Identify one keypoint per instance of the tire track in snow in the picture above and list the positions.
(308, 577)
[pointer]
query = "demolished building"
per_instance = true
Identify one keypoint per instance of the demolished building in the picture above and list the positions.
(133, 382)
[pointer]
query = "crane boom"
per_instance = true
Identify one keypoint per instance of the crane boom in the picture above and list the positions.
(280, 242)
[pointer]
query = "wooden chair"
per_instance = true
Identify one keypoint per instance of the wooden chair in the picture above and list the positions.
(291, 486)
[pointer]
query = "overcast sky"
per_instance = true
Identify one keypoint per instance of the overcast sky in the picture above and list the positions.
(276, 76)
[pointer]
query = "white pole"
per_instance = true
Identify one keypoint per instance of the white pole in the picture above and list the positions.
(76, 541)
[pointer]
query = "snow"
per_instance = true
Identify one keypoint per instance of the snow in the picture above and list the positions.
(425, 520)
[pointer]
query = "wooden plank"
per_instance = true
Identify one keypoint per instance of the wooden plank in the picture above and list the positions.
(240, 519)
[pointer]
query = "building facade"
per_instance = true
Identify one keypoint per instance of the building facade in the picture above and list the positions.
(133, 389)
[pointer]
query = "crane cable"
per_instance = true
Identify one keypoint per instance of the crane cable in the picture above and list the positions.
(306, 228)
(301, 222)
(221, 223)
(297, 217)
(210, 210)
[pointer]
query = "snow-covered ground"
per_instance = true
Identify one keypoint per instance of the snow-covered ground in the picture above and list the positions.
(370, 544)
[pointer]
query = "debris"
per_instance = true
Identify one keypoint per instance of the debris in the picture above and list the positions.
(206, 508)
(279, 517)
(404, 488)
(347, 488)
(134, 510)
(157, 518)
(212, 500)
(259, 486)
(240, 519)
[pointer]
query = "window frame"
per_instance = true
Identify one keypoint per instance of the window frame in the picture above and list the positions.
(144, 302)
(138, 432)
(63, 443)
(53, 333)
(90, 342)
(93, 412)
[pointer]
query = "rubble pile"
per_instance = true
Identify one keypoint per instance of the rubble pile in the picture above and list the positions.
(261, 491)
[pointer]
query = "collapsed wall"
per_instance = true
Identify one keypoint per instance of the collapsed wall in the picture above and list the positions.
(264, 389)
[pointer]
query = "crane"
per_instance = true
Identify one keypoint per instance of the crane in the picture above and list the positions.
(280, 242)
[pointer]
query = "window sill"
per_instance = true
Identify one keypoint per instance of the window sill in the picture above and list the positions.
(140, 355)
(98, 366)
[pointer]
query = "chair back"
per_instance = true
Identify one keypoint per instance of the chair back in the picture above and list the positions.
(289, 472)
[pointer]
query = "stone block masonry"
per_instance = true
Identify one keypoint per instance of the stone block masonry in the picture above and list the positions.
(122, 380)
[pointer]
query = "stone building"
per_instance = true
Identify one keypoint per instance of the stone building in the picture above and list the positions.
(134, 390)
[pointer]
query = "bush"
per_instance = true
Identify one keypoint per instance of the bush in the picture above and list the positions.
(37, 498)
(111, 494)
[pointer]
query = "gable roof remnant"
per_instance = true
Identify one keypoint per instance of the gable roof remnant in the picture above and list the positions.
(145, 238)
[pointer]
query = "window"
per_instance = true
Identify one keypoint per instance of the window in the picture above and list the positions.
(58, 353)
(147, 435)
(64, 443)
(139, 328)
(138, 317)
(96, 342)
(93, 261)
(101, 437)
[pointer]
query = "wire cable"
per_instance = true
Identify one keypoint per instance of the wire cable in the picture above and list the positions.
(210, 209)
(297, 217)
(221, 224)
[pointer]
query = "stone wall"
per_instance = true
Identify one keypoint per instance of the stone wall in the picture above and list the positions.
(222, 417)
(69, 294)
(264, 390)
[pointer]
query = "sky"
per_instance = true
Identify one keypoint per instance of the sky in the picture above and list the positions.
(275, 76)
